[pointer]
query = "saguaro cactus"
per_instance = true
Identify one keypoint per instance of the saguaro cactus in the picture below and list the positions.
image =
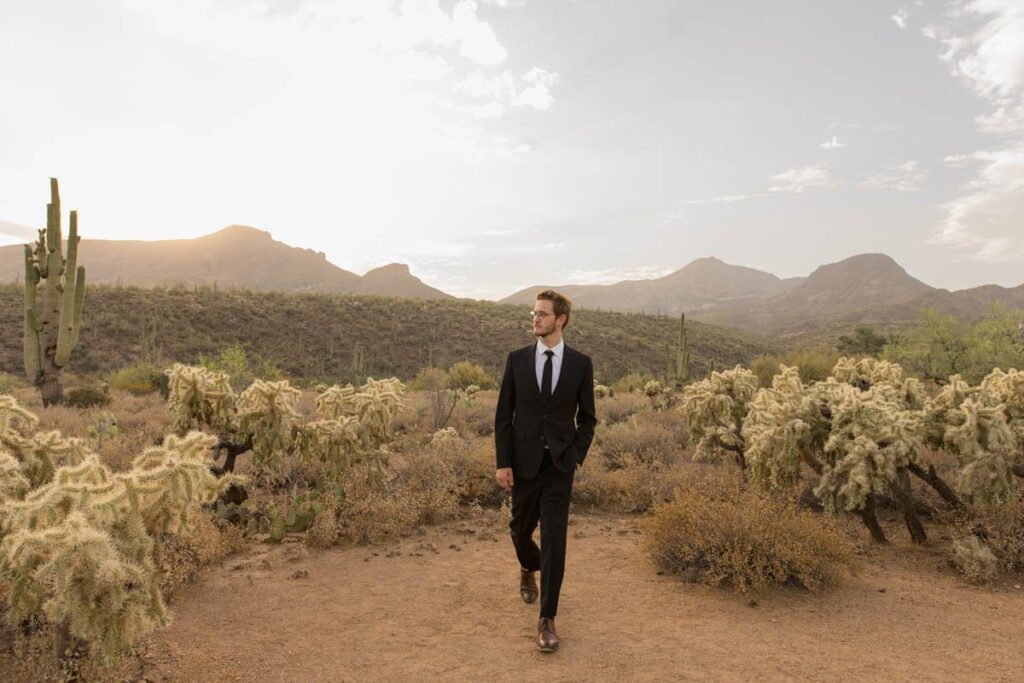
(51, 334)
(679, 358)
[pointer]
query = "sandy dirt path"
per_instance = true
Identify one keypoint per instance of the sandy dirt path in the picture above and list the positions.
(445, 606)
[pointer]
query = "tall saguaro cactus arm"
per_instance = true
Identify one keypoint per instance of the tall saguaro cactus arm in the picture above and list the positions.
(33, 363)
(70, 306)
(52, 324)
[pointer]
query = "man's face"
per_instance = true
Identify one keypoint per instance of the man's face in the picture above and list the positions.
(544, 318)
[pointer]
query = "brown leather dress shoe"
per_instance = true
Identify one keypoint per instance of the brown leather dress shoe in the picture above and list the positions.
(528, 586)
(547, 639)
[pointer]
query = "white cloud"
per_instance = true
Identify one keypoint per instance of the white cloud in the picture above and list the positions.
(834, 143)
(724, 199)
(987, 219)
(491, 110)
(800, 179)
(905, 177)
(609, 276)
(537, 93)
(532, 89)
(901, 17)
(984, 47)
(476, 39)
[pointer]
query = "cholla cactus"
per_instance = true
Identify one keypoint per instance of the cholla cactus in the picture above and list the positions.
(267, 411)
(13, 418)
(983, 427)
(600, 391)
(715, 410)
(354, 425)
(13, 484)
(885, 377)
(784, 427)
(77, 541)
(446, 440)
(199, 397)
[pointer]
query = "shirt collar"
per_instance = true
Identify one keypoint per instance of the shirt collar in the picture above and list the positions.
(558, 348)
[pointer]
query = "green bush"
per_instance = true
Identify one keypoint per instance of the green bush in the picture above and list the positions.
(87, 397)
(242, 367)
(141, 378)
(815, 364)
(8, 383)
(940, 345)
(465, 374)
(634, 381)
(429, 379)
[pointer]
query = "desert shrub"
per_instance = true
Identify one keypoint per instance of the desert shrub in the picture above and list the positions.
(141, 378)
(474, 417)
(974, 559)
(627, 384)
(633, 486)
(241, 367)
(429, 483)
(620, 407)
(472, 462)
(429, 379)
(733, 537)
(1001, 529)
(939, 345)
(323, 532)
(671, 420)
(465, 374)
(814, 364)
(183, 555)
(86, 397)
(368, 513)
(648, 443)
(8, 383)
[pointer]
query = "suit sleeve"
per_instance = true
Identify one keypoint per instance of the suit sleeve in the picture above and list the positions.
(503, 414)
(586, 415)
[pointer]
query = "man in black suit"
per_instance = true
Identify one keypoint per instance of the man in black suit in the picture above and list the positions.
(543, 426)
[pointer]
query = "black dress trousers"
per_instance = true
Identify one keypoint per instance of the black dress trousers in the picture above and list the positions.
(544, 498)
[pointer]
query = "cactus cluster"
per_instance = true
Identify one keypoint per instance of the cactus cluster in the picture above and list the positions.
(715, 409)
(77, 541)
(350, 427)
(54, 319)
(861, 431)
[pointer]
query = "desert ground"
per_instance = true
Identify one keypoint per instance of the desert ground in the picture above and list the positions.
(444, 605)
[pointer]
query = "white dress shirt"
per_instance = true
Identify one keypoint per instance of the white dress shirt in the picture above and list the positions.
(556, 362)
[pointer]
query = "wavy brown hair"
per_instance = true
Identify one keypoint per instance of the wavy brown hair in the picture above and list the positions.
(560, 303)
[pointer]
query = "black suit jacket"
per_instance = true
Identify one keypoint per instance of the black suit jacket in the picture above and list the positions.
(566, 422)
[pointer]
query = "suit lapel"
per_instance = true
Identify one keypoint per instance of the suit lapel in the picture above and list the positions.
(565, 373)
(531, 371)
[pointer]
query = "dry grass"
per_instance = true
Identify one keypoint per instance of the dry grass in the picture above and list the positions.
(648, 442)
(621, 406)
(632, 486)
(719, 533)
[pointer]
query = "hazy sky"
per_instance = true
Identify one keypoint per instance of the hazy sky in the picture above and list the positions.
(503, 143)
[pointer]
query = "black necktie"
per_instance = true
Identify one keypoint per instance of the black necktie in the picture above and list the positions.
(545, 382)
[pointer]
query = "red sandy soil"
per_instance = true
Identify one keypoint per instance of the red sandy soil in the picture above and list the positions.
(444, 605)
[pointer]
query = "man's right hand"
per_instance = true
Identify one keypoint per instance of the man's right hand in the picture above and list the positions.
(504, 477)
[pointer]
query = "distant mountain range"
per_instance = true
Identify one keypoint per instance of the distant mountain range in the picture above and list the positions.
(865, 289)
(237, 256)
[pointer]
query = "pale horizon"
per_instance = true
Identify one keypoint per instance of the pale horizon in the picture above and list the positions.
(506, 143)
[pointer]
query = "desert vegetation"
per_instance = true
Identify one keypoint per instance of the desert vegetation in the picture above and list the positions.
(116, 504)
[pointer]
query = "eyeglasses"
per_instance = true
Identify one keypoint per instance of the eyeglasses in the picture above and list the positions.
(539, 314)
